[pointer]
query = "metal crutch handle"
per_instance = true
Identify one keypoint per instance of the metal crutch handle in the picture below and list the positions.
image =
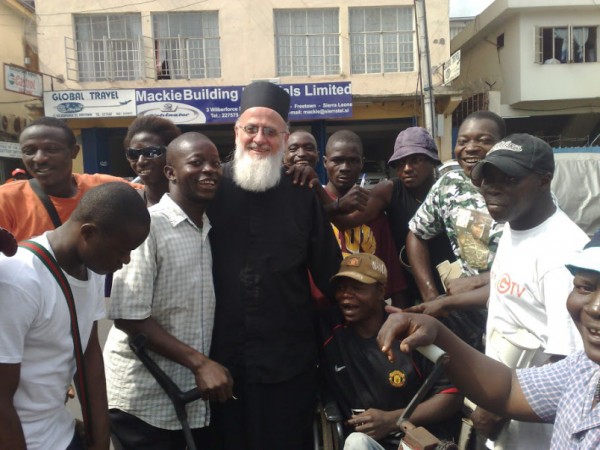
(419, 437)
(178, 397)
(434, 354)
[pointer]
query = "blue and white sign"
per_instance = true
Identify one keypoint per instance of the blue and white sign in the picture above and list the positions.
(10, 150)
(196, 105)
(90, 103)
(320, 100)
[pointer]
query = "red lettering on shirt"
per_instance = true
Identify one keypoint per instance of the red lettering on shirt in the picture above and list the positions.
(506, 286)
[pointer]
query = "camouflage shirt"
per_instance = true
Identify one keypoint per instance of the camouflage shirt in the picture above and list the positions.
(455, 207)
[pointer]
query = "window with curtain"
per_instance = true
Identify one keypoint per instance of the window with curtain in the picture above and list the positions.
(307, 42)
(109, 47)
(566, 44)
(382, 39)
(187, 45)
(584, 44)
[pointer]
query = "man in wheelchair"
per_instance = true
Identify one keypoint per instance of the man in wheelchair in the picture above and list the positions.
(370, 390)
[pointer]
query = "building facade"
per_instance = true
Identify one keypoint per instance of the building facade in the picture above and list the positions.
(17, 107)
(536, 64)
(347, 64)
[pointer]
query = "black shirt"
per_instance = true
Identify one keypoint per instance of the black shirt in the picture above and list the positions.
(263, 245)
(402, 208)
(360, 376)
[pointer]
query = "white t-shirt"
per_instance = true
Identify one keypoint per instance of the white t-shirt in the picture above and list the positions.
(35, 333)
(529, 286)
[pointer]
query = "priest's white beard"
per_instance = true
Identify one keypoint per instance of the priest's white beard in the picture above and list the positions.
(256, 174)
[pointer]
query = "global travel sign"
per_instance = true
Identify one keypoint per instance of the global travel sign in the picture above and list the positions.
(95, 103)
(221, 104)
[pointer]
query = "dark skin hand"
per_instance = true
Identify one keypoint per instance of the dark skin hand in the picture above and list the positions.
(375, 422)
(378, 424)
(435, 308)
(212, 379)
(356, 198)
(466, 284)
(444, 304)
(303, 175)
(485, 381)
(488, 424)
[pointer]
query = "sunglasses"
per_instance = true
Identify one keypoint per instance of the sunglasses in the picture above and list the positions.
(252, 130)
(154, 151)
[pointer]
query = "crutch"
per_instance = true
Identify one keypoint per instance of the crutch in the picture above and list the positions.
(418, 438)
(177, 396)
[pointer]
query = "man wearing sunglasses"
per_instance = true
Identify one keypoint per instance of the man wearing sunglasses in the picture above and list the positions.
(145, 148)
(48, 147)
(267, 234)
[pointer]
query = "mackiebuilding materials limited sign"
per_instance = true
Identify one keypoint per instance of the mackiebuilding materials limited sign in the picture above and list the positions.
(221, 104)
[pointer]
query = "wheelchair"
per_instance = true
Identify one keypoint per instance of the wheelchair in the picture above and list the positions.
(328, 430)
(409, 437)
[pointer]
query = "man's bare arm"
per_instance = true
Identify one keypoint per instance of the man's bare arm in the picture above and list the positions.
(212, 379)
(94, 365)
(11, 432)
(377, 201)
(488, 383)
(417, 251)
(466, 284)
(445, 304)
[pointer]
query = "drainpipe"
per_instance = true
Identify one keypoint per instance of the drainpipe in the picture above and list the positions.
(425, 66)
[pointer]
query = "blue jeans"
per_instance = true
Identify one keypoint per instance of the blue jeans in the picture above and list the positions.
(76, 443)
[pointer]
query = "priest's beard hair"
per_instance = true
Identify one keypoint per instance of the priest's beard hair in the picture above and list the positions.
(256, 174)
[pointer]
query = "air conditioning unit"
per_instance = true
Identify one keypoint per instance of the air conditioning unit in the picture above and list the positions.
(4, 124)
(18, 124)
(15, 124)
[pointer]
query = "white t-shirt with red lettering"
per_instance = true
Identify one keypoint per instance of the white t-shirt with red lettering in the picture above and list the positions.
(529, 286)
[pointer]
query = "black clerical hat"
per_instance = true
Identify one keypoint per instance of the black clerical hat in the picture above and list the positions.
(267, 95)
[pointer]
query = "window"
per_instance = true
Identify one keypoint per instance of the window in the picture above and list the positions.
(583, 44)
(109, 47)
(382, 40)
(566, 44)
(307, 42)
(186, 45)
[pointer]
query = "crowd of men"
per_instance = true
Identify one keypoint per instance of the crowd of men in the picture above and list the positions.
(264, 290)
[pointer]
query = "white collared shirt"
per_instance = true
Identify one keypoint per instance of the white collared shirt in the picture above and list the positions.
(169, 278)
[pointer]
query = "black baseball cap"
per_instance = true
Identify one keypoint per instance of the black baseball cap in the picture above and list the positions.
(517, 155)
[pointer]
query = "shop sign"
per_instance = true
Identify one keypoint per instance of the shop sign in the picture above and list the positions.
(18, 79)
(221, 104)
(90, 103)
(10, 150)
